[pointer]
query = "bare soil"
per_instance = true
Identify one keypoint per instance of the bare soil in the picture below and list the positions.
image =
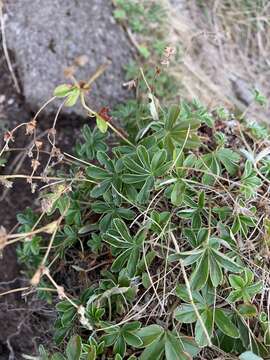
(25, 322)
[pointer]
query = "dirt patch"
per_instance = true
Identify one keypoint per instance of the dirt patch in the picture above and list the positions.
(18, 318)
(25, 321)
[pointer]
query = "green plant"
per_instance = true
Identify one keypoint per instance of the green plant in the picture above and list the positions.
(167, 205)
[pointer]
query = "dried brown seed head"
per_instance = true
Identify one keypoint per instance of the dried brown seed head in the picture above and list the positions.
(9, 136)
(31, 127)
(35, 164)
(81, 60)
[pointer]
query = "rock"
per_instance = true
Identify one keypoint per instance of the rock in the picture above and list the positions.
(2, 98)
(48, 36)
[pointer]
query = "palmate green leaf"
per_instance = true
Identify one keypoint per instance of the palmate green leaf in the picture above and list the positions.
(200, 336)
(247, 310)
(169, 345)
(142, 168)
(93, 141)
(186, 314)
(179, 131)
(144, 193)
(110, 211)
(74, 348)
(188, 257)
(154, 351)
(149, 334)
(234, 296)
(133, 260)
(128, 247)
(68, 316)
(132, 339)
(209, 315)
(63, 90)
(143, 156)
(119, 346)
(216, 274)
(158, 160)
(236, 281)
(200, 275)
(196, 238)
(209, 262)
(178, 192)
(195, 211)
(132, 326)
(101, 124)
(97, 173)
(174, 348)
(229, 159)
(72, 97)
(120, 337)
(121, 260)
(243, 224)
(226, 262)
(160, 221)
(250, 182)
(182, 293)
(224, 323)
(122, 229)
(212, 164)
(244, 286)
(110, 177)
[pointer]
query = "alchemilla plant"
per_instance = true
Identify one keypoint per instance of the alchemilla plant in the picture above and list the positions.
(163, 230)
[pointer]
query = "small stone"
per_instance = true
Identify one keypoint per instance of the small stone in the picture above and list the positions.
(10, 101)
(2, 99)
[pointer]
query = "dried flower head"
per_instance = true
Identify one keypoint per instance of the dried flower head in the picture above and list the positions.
(132, 84)
(104, 113)
(33, 187)
(56, 152)
(46, 205)
(31, 127)
(35, 164)
(6, 183)
(81, 60)
(69, 71)
(165, 62)
(61, 292)
(38, 144)
(52, 131)
(168, 53)
(37, 276)
(82, 316)
(9, 136)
